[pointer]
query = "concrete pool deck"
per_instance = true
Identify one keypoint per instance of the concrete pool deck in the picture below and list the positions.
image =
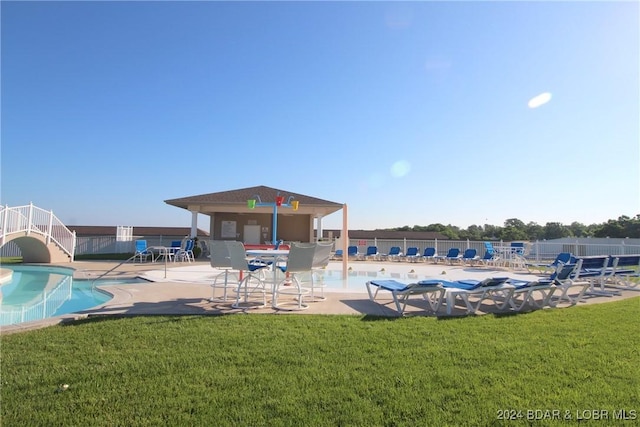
(186, 290)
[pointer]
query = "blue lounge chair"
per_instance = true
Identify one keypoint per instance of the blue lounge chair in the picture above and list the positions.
(488, 258)
(372, 253)
(625, 272)
(495, 288)
(394, 253)
(429, 254)
(469, 256)
(595, 270)
(565, 278)
(450, 257)
(433, 293)
(548, 268)
(525, 293)
(352, 252)
(412, 254)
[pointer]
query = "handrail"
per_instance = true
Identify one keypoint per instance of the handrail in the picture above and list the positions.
(30, 218)
(126, 260)
(109, 271)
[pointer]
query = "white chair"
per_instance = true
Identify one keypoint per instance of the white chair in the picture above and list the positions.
(251, 284)
(321, 259)
(220, 259)
(300, 260)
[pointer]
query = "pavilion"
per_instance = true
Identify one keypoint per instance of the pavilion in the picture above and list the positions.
(252, 215)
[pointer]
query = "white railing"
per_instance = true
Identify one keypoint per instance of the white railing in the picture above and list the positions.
(32, 219)
(538, 251)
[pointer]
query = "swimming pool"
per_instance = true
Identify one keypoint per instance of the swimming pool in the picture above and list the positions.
(40, 292)
(356, 277)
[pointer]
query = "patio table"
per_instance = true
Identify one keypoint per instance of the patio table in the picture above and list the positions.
(166, 252)
(270, 255)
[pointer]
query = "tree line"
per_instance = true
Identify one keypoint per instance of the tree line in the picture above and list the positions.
(515, 229)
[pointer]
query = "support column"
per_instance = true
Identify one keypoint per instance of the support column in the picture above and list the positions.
(318, 228)
(345, 242)
(194, 224)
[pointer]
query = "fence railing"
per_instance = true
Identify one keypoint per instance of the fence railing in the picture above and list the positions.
(32, 219)
(539, 250)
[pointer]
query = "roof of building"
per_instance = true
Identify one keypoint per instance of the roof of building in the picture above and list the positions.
(238, 198)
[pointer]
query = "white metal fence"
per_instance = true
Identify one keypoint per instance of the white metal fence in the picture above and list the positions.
(538, 250)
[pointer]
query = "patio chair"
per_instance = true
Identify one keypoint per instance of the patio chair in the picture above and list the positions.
(252, 283)
(372, 253)
(142, 251)
(412, 254)
(470, 255)
(429, 254)
(474, 292)
(595, 270)
(300, 260)
(220, 259)
(175, 248)
(352, 252)
(433, 293)
(337, 255)
(565, 279)
(625, 272)
(185, 253)
(394, 254)
(320, 261)
(524, 293)
(548, 268)
(452, 255)
(488, 258)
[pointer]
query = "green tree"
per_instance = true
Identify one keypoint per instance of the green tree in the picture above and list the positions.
(555, 230)
(473, 232)
(534, 231)
(578, 229)
(514, 229)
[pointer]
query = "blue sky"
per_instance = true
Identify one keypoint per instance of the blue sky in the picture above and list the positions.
(411, 113)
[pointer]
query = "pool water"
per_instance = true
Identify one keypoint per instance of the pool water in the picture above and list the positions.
(356, 280)
(40, 292)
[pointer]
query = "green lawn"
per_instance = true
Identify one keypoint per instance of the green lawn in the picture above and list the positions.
(283, 370)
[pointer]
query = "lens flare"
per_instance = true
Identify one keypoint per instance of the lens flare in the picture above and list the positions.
(400, 168)
(539, 100)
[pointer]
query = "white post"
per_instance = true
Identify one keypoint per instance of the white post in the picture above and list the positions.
(50, 226)
(73, 245)
(319, 228)
(345, 242)
(30, 218)
(194, 223)
(4, 223)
